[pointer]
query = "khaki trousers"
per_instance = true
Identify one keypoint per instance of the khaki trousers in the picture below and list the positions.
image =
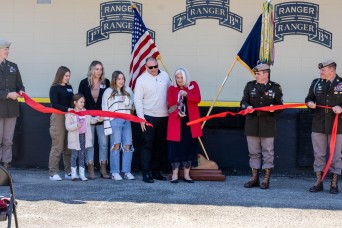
(59, 147)
(7, 126)
(320, 143)
(260, 148)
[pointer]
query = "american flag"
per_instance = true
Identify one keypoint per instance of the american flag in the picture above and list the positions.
(142, 47)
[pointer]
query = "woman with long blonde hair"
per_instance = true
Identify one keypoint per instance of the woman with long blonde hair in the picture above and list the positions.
(93, 88)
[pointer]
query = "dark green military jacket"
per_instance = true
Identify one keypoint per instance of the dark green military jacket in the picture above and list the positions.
(10, 81)
(322, 94)
(258, 123)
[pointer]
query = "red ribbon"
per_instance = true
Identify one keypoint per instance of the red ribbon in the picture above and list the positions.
(331, 147)
(41, 108)
(280, 107)
(245, 112)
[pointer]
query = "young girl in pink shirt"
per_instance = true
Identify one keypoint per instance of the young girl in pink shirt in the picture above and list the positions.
(79, 136)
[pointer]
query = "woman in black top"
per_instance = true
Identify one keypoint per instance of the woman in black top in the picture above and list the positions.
(92, 88)
(61, 94)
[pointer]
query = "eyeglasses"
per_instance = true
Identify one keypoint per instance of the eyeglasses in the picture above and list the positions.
(151, 67)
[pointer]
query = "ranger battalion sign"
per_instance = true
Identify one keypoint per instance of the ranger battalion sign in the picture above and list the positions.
(203, 9)
(116, 17)
(300, 18)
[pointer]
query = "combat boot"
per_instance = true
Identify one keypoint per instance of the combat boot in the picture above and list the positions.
(318, 186)
(334, 186)
(265, 184)
(254, 181)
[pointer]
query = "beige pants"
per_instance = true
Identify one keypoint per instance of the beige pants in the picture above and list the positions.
(260, 149)
(320, 143)
(7, 126)
(58, 135)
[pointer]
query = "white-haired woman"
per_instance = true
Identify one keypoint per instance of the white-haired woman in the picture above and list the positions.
(93, 88)
(183, 98)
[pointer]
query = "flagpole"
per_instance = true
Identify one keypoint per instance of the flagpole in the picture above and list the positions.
(205, 152)
(219, 91)
(245, 47)
(134, 6)
(162, 62)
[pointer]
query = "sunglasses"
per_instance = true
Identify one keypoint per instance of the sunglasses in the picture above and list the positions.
(151, 67)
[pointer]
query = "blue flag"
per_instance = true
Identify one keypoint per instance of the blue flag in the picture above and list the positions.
(249, 53)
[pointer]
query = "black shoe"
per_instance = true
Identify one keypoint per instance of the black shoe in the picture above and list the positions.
(252, 183)
(147, 178)
(188, 181)
(158, 176)
(174, 181)
(317, 187)
(265, 185)
(333, 190)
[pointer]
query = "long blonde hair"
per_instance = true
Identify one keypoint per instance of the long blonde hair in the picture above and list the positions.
(90, 74)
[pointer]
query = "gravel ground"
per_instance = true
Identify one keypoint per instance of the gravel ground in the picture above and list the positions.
(108, 203)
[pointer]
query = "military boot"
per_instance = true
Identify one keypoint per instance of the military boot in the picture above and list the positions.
(318, 186)
(254, 181)
(265, 184)
(334, 186)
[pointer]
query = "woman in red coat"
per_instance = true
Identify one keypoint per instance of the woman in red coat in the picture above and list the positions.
(183, 98)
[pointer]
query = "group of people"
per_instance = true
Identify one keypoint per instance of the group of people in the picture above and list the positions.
(73, 135)
(324, 99)
(168, 104)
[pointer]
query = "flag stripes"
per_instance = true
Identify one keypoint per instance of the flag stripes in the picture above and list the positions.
(142, 47)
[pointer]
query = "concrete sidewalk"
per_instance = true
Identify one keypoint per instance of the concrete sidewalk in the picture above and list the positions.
(108, 203)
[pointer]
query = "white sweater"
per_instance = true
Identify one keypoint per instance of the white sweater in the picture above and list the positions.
(121, 104)
(150, 95)
(116, 104)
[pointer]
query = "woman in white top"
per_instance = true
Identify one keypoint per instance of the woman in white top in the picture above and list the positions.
(119, 98)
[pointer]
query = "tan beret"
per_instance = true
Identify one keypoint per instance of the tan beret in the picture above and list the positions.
(4, 44)
(261, 67)
(325, 63)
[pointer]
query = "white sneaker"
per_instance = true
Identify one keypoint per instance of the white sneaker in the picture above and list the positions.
(68, 176)
(116, 176)
(55, 177)
(129, 176)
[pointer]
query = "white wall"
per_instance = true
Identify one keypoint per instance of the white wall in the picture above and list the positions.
(45, 36)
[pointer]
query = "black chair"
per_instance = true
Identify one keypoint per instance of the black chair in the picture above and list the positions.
(6, 180)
